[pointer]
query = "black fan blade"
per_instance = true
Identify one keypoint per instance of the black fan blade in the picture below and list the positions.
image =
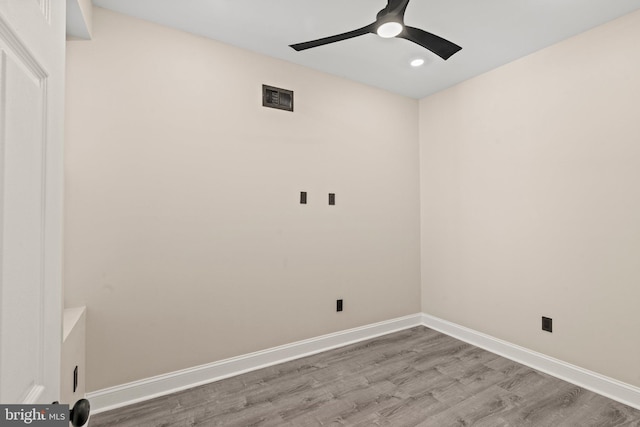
(344, 36)
(396, 7)
(441, 47)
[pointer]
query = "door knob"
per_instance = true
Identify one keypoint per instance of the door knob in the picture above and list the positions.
(79, 414)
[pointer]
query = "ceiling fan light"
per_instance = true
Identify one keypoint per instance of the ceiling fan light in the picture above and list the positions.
(389, 29)
(418, 62)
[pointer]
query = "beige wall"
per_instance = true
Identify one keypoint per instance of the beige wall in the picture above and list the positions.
(530, 195)
(185, 239)
(184, 236)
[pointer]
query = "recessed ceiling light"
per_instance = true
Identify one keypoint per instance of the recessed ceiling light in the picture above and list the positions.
(389, 29)
(417, 62)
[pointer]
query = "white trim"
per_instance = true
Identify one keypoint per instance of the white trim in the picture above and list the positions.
(608, 387)
(33, 395)
(138, 391)
(149, 388)
(45, 6)
(18, 48)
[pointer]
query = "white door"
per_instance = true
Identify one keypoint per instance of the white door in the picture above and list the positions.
(32, 43)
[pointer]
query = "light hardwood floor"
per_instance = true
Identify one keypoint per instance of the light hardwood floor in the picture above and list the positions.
(416, 377)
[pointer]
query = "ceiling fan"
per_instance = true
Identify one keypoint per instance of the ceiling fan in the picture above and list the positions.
(390, 23)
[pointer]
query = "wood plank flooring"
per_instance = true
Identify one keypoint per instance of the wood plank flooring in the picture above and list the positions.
(416, 377)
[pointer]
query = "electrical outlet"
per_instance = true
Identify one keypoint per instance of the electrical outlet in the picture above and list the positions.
(339, 305)
(332, 199)
(303, 197)
(547, 324)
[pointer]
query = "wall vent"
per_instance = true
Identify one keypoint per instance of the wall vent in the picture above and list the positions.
(274, 97)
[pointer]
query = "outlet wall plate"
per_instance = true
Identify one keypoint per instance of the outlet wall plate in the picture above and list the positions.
(547, 324)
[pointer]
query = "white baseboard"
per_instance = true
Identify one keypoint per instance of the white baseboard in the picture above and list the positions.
(605, 386)
(137, 391)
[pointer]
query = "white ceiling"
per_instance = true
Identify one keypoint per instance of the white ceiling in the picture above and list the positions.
(491, 32)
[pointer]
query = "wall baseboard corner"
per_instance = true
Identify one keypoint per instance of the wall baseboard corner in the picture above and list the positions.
(600, 384)
(161, 385)
(149, 388)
